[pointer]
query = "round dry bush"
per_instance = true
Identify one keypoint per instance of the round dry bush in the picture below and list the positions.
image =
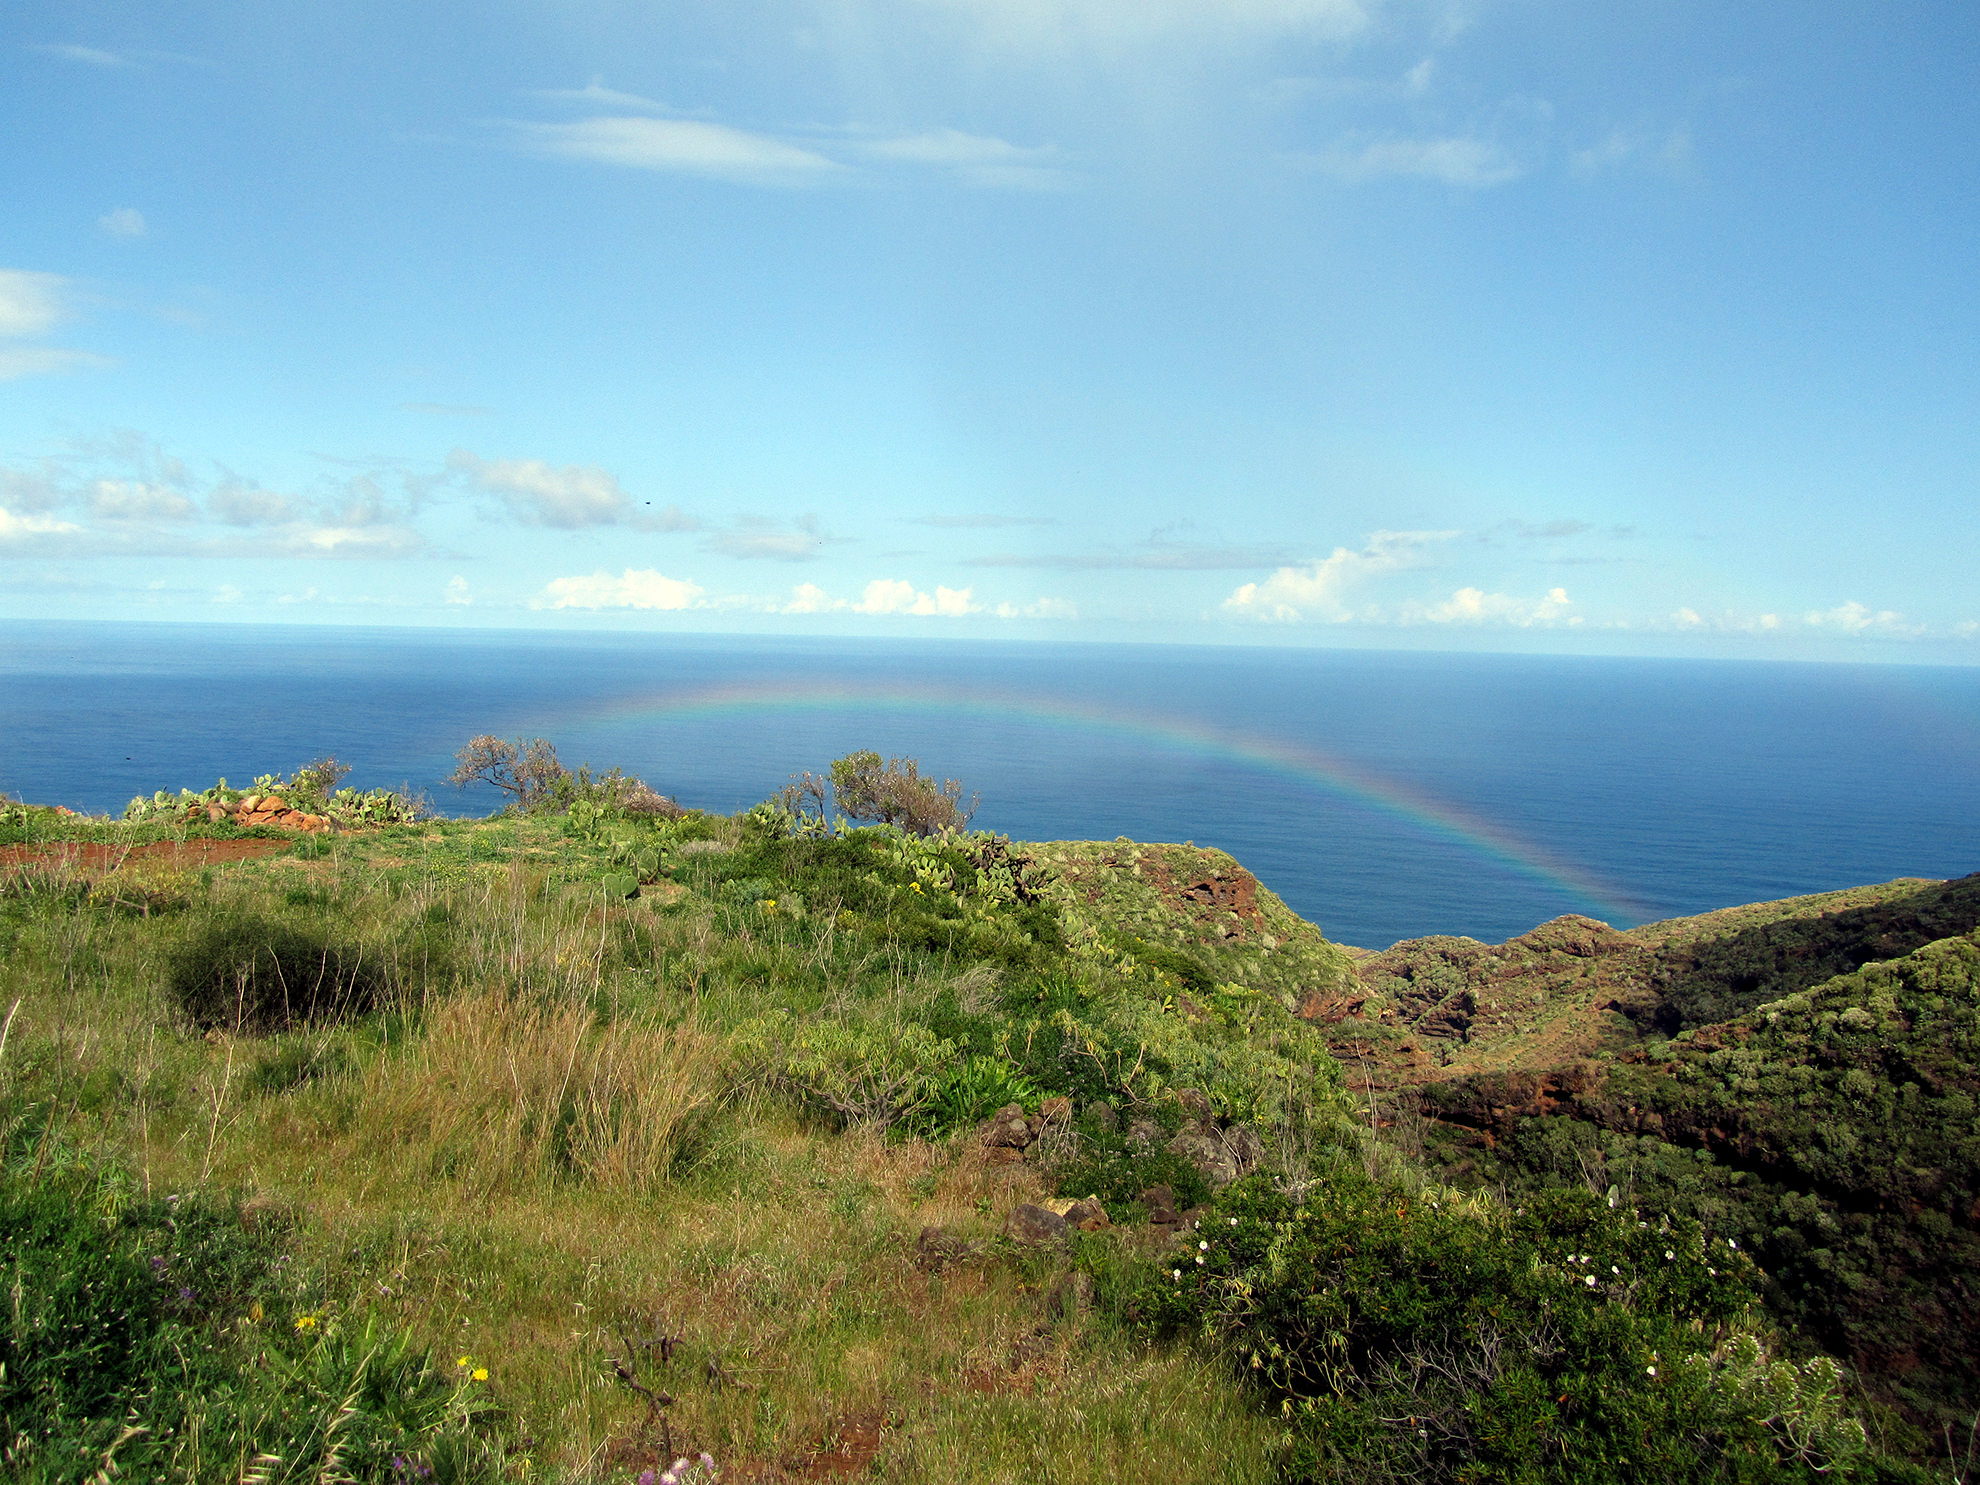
(247, 974)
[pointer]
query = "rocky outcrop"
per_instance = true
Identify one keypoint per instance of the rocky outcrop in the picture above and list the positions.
(260, 809)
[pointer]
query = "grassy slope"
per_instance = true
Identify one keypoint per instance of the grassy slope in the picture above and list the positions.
(592, 1117)
(564, 1145)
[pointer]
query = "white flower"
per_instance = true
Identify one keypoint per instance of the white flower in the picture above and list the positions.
(1731, 1244)
(1669, 1254)
(1614, 1270)
(1650, 1371)
(1199, 1258)
(1203, 1247)
(1175, 1273)
(1234, 1222)
(1589, 1281)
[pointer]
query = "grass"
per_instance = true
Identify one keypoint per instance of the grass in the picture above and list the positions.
(533, 1144)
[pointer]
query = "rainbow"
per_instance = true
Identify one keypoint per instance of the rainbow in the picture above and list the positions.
(1303, 766)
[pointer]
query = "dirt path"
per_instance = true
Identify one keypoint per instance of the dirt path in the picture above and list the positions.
(93, 856)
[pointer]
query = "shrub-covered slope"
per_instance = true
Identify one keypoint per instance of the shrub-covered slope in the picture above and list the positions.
(1831, 1129)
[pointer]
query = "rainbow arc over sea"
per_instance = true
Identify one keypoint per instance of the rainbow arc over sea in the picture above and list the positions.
(1307, 767)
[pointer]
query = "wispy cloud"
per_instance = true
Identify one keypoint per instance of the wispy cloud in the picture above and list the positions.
(1161, 552)
(1667, 151)
(32, 304)
(680, 147)
(596, 95)
(124, 221)
(756, 539)
(569, 498)
(1318, 589)
(981, 522)
(1109, 25)
(133, 500)
(16, 528)
(89, 56)
(448, 409)
(978, 159)
(1456, 160)
(635, 588)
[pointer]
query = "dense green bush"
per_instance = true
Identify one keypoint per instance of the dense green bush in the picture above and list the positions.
(170, 1339)
(238, 972)
(1421, 1337)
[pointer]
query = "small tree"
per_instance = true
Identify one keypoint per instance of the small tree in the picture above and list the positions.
(319, 780)
(527, 770)
(894, 793)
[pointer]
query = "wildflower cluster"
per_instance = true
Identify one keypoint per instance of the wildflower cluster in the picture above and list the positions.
(684, 1471)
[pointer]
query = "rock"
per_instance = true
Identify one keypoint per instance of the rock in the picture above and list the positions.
(1160, 1203)
(1034, 1226)
(938, 1248)
(1070, 1296)
(1103, 1116)
(1207, 1154)
(1002, 1155)
(1145, 1132)
(1009, 1130)
(216, 813)
(1055, 1111)
(1196, 1107)
(1192, 1219)
(1086, 1215)
(1244, 1146)
(249, 803)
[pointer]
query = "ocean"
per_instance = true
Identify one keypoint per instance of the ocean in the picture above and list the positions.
(1384, 795)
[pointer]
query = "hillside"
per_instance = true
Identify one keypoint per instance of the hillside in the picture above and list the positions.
(556, 1144)
(1816, 1099)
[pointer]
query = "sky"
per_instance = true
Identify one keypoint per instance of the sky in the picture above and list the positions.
(1629, 328)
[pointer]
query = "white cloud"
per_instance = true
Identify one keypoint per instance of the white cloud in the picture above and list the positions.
(569, 498)
(1476, 606)
(125, 221)
(898, 596)
(754, 538)
(1292, 593)
(17, 528)
(30, 303)
(1858, 618)
(680, 146)
(239, 504)
(633, 588)
(1455, 161)
(809, 598)
(227, 593)
(134, 500)
(457, 591)
(1044, 608)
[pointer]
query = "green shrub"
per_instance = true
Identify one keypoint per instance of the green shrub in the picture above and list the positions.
(1417, 1337)
(247, 974)
(154, 1339)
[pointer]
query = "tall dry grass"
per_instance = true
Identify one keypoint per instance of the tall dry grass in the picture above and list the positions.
(504, 1091)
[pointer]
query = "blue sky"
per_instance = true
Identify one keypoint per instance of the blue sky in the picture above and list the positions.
(1622, 328)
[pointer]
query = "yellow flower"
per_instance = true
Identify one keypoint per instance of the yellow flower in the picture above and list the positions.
(461, 1361)
(480, 1374)
(917, 886)
(255, 1311)
(305, 1322)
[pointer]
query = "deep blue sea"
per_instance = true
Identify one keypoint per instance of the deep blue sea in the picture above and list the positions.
(1383, 795)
